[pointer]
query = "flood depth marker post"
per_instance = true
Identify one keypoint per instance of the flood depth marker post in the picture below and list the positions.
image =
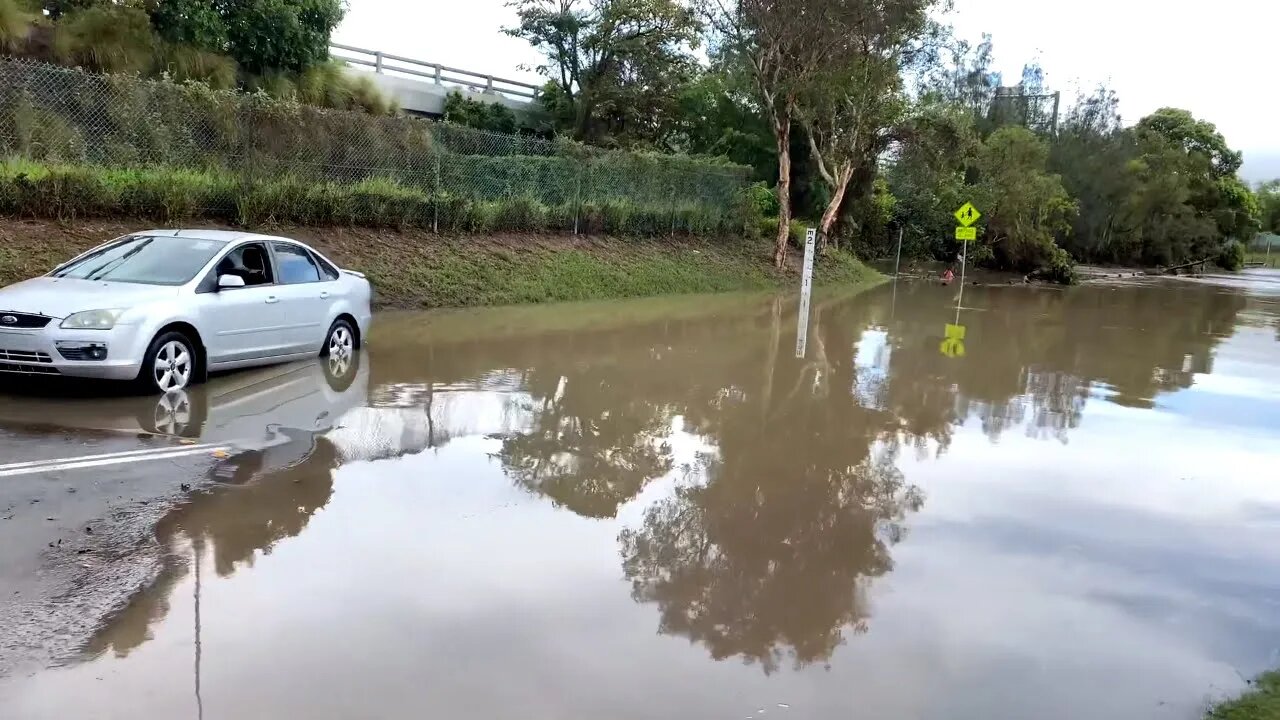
(806, 287)
(966, 233)
(898, 262)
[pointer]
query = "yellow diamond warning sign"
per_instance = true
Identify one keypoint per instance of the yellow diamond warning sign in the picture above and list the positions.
(968, 214)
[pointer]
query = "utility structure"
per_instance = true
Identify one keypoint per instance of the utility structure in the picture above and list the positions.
(1038, 112)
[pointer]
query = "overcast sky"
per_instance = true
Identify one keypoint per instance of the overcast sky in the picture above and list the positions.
(1218, 59)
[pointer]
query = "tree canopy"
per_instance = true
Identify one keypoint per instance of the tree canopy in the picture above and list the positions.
(870, 118)
(614, 67)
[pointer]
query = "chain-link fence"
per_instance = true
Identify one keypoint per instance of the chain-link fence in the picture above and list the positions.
(81, 144)
(1036, 112)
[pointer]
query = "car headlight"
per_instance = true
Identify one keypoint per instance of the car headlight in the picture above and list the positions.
(92, 320)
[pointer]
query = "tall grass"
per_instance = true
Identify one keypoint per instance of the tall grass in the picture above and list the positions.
(68, 191)
(16, 21)
(106, 38)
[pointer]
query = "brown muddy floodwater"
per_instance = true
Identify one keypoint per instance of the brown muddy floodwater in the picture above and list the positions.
(656, 510)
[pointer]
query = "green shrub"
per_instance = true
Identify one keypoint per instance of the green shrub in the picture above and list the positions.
(1059, 267)
(62, 192)
(480, 115)
(386, 203)
(39, 133)
(188, 64)
(332, 85)
(521, 213)
(762, 198)
(1231, 256)
(561, 217)
(769, 229)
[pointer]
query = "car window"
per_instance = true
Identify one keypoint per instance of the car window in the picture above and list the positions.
(250, 263)
(144, 259)
(296, 265)
(326, 269)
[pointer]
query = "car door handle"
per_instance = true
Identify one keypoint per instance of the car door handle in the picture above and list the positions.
(324, 294)
(273, 300)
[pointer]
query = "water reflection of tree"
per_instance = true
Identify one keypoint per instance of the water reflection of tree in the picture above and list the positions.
(769, 562)
(601, 409)
(591, 446)
(764, 553)
(262, 497)
(1035, 358)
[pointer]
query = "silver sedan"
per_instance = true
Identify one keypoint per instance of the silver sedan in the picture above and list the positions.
(166, 307)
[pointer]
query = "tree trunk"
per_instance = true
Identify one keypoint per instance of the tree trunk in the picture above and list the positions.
(833, 208)
(782, 134)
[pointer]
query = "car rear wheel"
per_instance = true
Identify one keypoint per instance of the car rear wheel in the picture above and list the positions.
(339, 347)
(169, 365)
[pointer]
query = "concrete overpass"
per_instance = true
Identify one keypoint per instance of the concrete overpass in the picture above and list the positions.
(420, 87)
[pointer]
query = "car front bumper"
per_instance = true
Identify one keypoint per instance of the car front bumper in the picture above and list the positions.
(35, 352)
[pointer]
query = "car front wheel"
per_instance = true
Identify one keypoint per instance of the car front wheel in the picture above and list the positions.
(169, 364)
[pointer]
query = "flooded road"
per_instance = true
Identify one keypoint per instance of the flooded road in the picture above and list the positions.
(1046, 503)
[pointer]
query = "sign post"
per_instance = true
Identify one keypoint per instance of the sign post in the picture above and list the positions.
(806, 287)
(967, 215)
(898, 261)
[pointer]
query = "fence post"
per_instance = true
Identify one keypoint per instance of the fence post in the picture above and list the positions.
(671, 193)
(377, 62)
(437, 69)
(577, 196)
(435, 206)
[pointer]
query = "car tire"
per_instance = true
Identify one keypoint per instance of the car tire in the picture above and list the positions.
(340, 375)
(170, 363)
(339, 347)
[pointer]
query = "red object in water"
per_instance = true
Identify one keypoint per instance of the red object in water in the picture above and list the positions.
(948, 276)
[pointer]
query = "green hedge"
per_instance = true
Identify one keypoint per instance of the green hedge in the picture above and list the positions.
(66, 192)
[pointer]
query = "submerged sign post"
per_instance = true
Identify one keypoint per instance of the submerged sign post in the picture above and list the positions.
(967, 215)
(806, 287)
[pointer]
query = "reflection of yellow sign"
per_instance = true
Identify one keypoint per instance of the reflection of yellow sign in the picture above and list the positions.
(966, 233)
(968, 214)
(953, 345)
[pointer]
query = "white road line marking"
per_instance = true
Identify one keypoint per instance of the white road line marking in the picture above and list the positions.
(117, 459)
(123, 454)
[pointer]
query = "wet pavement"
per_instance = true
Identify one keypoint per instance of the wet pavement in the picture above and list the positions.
(1021, 502)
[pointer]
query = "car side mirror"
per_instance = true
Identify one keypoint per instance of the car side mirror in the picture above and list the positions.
(230, 281)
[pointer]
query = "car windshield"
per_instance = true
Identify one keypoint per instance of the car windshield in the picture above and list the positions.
(144, 259)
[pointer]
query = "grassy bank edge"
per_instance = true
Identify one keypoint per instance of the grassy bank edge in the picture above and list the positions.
(415, 269)
(1261, 702)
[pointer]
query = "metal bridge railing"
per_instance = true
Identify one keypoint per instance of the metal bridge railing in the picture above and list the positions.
(439, 74)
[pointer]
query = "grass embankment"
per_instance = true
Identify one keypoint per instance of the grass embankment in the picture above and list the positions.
(1260, 703)
(416, 269)
(1271, 261)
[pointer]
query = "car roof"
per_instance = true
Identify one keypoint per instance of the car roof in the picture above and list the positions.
(223, 236)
